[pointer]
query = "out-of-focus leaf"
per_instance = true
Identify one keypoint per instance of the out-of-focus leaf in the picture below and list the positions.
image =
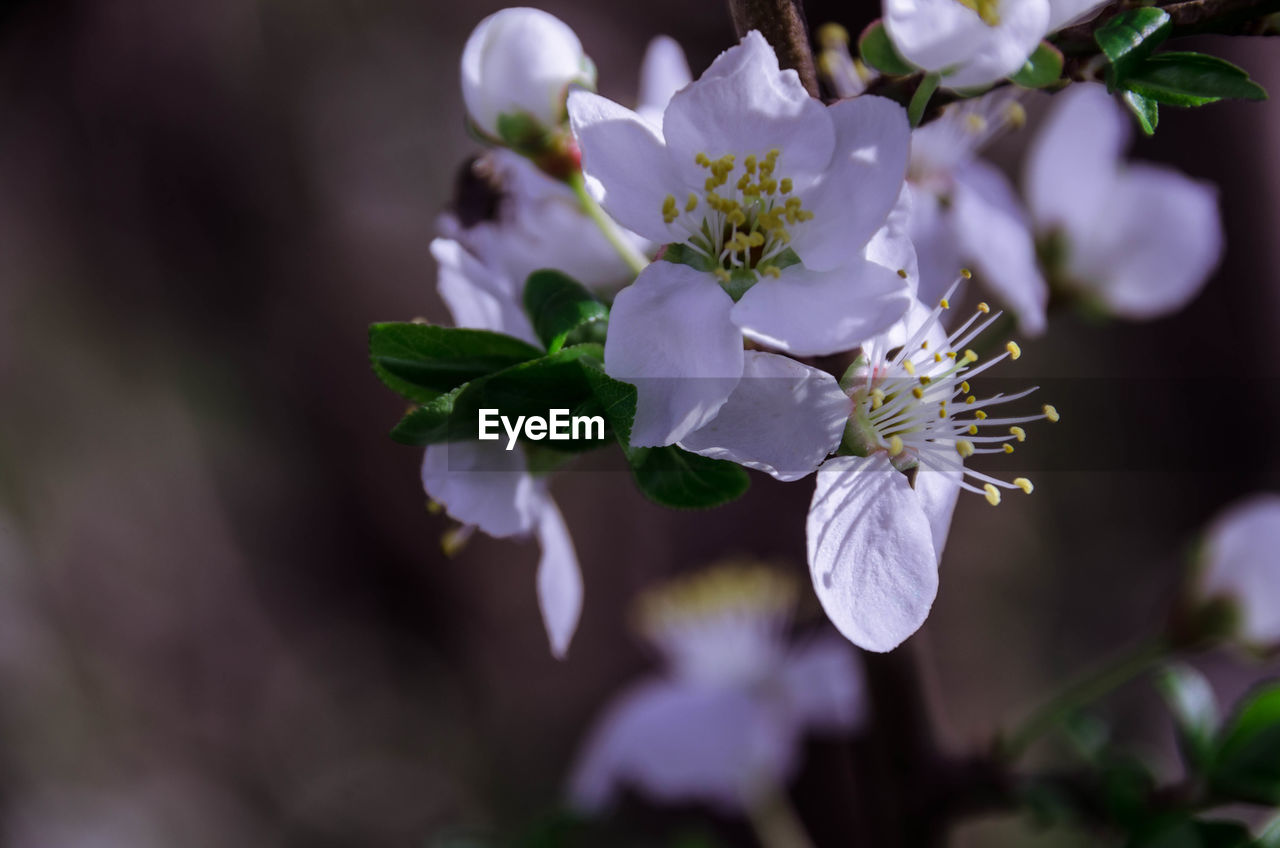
(676, 478)
(429, 423)
(557, 305)
(1195, 711)
(1192, 79)
(1146, 111)
(1173, 831)
(1043, 67)
(1246, 765)
(878, 51)
(1129, 38)
(422, 361)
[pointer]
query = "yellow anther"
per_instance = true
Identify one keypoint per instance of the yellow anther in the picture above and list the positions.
(1018, 433)
(744, 181)
(925, 379)
(902, 272)
(973, 429)
(951, 354)
(942, 412)
(711, 183)
(768, 185)
(833, 35)
(937, 357)
(750, 163)
(909, 366)
(964, 387)
(976, 123)
(786, 185)
(756, 239)
(1007, 448)
(669, 210)
(434, 507)
(895, 445)
(1014, 350)
(1024, 484)
(770, 271)
(966, 273)
(804, 215)
(970, 356)
(964, 447)
(1051, 413)
(454, 540)
(993, 494)
(877, 398)
(984, 308)
(722, 275)
(703, 160)
(944, 303)
(1015, 114)
(970, 399)
(692, 203)
(980, 415)
(917, 392)
(737, 218)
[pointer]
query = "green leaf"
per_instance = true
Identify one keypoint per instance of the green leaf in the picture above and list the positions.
(617, 399)
(1195, 711)
(1129, 38)
(421, 361)
(1146, 111)
(1175, 832)
(920, 100)
(1192, 79)
(1246, 765)
(557, 305)
(429, 423)
(1043, 67)
(676, 478)
(878, 51)
(1270, 836)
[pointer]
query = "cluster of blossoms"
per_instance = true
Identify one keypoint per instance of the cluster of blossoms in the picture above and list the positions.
(743, 225)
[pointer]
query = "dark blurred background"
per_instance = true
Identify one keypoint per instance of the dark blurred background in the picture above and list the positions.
(225, 617)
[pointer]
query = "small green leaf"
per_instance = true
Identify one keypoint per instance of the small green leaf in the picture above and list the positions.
(617, 400)
(1195, 711)
(1246, 765)
(1129, 38)
(1146, 111)
(557, 305)
(682, 480)
(1192, 79)
(878, 51)
(421, 361)
(429, 423)
(920, 100)
(1043, 67)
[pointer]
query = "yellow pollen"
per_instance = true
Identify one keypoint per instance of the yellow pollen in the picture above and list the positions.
(951, 354)
(944, 303)
(770, 271)
(1024, 484)
(937, 357)
(1008, 448)
(786, 185)
(692, 203)
(925, 379)
(1018, 433)
(970, 399)
(976, 123)
(909, 366)
(984, 308)
(1014, 350)
(1051, 413)
(966, 273)
(902, 272)
(993, 494)
(918, 393)
(964, 447)
(971, 356)
(964, 387)
(924, 345)
(750, 164)
(980, 415)
(877, 398)
(669, 210)
(703, 160)
(895, 445)
(832, 35)
(973, 429)
(942, 412)
(1015, 114)
(722, 275)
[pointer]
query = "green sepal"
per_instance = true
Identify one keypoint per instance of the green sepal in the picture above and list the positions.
(739, 283)
(1246, 764)
(678, 479)
(521, 131)
(877, 50)
(1146, 111)
(557, 305)
(1192, 79)
(683, 254)
(422, 361)
(1043, 67)
(920, 99)
(1129, 38)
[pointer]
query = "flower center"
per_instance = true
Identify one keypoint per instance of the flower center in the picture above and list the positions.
(738, 227)
(988, 10)
(917, 406)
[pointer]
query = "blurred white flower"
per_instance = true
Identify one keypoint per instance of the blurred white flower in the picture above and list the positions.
(767, 201)
(1138, 240)
(723, 722)
(482, 485)
(517, 67)
(965, 212)
(1242, 566)
(875, 536)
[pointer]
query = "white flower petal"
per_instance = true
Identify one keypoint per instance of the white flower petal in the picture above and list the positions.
(1023, 23)
(944, 35)
(825, 687)
(811, 313)
(784, 418)
(478, 297)
(891, 246)
(995, 236)
(627, 159)
(1071, 168)
(679, 743)
(559, 579)
(936, 247)
(938, 492)
(664, 71)
(871, 551)
(1156, 245)
(854, 197)
(1242, 564)
(744, 104)
(1065, 12)
(484, 484)
(670, 336)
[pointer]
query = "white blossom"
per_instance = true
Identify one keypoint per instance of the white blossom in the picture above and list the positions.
(1242, 566)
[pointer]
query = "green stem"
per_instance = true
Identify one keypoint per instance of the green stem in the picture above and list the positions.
(635, 261)
(776, 823)
(1084, 691)
(920, 100)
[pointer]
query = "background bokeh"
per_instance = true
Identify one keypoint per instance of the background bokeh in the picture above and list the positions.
(225, 617)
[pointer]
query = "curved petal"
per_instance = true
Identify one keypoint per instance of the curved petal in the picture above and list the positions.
(938, 491)
(1023, 23)
(1064, 12)
(853, 199)
(683, 743)
(995, 236)
(891, 246)
(671, 337)
(934, 239)
(784, 418)
(825, 686)
(484, 484)
(870, 551)
(559, 579)
(627, 159)
(1071, 168)
(664, 71)
(1241, 565)
(1155, 247)
(943, 35)
(744, 104)
(810, 313)
(478, 297)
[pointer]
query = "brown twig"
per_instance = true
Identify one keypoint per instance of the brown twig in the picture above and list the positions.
(783, 25)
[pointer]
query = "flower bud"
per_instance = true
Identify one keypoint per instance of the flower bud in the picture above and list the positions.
(1241, 568)
(516, 71)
